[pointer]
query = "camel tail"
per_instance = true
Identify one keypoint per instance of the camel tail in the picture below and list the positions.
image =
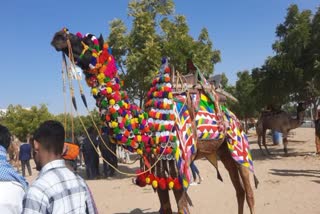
(219, 176)
(256, 181)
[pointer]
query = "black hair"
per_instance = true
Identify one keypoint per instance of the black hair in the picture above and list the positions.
(5, 137)
(50, 135)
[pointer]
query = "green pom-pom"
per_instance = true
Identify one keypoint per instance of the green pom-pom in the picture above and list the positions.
(136, 131)
(104, 103)
(116, 130)
(106, 79)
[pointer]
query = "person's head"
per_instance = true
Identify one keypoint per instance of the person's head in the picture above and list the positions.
(48, 141)
(5, 137)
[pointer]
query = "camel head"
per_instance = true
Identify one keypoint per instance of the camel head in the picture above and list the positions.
(80, 46)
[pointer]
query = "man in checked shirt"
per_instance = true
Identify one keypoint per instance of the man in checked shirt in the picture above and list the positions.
(57, 189)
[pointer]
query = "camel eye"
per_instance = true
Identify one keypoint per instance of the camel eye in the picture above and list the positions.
(60, 38)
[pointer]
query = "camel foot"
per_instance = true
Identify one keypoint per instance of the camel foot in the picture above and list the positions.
(167, 211)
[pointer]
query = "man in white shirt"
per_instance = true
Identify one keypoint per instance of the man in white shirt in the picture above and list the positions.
(57, 189)
(12, 184)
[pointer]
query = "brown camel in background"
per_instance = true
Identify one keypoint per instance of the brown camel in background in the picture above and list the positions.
(279, 121)
(70, 43)
(13, 152)
(317, 134)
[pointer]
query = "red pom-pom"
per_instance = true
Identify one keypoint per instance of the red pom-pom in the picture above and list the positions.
(141, 179)
(177, 184)
(162, 183)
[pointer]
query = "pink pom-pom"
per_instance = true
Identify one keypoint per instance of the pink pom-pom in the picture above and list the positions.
(79, 35)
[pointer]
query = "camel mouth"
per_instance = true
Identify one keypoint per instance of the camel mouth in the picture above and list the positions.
(58, 45)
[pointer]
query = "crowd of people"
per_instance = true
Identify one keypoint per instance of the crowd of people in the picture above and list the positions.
(58, 188)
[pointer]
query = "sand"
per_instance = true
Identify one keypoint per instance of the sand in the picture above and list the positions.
(288, 184)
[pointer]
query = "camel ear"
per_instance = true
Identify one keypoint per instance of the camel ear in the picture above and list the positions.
(101, 41)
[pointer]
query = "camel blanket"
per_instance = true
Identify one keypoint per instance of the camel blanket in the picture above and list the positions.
(206, 119)
(237, 140)
(186, 141)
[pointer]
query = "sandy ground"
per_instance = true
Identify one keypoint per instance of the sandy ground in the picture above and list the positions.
(288, 184)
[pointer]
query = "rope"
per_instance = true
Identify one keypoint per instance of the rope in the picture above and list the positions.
(64, 90)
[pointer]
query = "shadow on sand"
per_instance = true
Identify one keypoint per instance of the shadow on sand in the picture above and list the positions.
(139, 211)
(130, 169)
(301, 172)
(275, 150)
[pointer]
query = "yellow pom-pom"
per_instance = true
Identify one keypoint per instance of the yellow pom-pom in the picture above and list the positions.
(139, 138)
(139, 151)
(109, 90)
(171, 184)
(185, 183)
(170, 95)
(114, 124)
(148, 180)
(155, 184)
(112, 102)
(157, 139)
(94, 91)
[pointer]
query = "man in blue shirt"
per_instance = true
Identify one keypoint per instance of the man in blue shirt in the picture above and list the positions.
(24, 157)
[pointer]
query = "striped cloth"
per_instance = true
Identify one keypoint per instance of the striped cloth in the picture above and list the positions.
(237, 140)
(187, 145)
(207, 121)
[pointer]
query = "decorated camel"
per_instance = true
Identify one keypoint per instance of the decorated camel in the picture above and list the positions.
(278, 121)
(179, 125)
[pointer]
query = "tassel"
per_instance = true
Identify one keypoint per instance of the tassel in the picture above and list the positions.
(74, 103)
(219, 176)
(256, 181)
(84, 100)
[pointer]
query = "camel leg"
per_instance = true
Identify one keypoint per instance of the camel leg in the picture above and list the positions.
(232, 168)
(164, 201)
(259, 143)
(285, 144)
(264, 141)
(182, 202)
(245, 176)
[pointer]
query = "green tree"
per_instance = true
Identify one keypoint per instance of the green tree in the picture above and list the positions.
(291, 74)
(21, 121)
(156, 32)
(69, 120)
(245, 108)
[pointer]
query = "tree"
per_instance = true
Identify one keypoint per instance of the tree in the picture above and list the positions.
(156, 32)
(294, 70)
(78, 128)
(245, 108)
(21, 121)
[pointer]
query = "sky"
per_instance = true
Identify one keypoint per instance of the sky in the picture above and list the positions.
(243, 31)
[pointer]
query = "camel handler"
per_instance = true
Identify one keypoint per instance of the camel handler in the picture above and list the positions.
(317, 133)
(70, 153)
